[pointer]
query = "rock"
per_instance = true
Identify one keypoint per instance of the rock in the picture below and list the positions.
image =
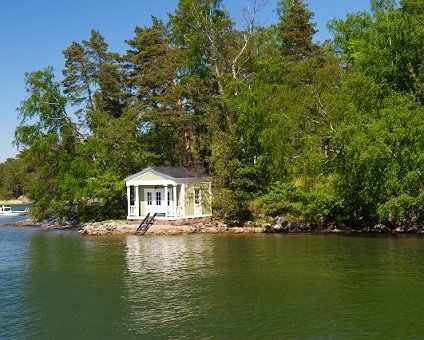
(221, 225)
(412, 230)
(305, 226)
(24, 199)
(278, 228)
(107, 228)
(278, 220)
(380, 228)
(237, 230)
(210, 230)
(268, 229)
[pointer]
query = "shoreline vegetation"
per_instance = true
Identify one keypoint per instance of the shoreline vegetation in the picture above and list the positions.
(10, 202)
(123, 227)
(17, 201)
(284, 126)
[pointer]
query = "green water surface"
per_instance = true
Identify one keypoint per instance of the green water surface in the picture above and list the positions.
(58, 285)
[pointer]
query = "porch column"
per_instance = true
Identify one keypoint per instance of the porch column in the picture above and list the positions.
(166, 200)
(174, 196)
(137, 201)
(210, 197)
(182, 198)
(128, 200)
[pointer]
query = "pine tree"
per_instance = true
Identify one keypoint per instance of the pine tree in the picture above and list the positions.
(109, 97)
(79, 75)
(151, 65)
(93, 78)
(296, 30)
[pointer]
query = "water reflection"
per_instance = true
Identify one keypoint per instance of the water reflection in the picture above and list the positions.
(167, 256)
(73, 285)
(166, 281)
(15, 314)
(59, 285)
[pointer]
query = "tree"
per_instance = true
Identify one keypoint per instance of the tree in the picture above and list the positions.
(386, 44)
(13, 178)
(378, 159)
(296, 30)
(108, 76)
(94, 79)
(79, 74)
(156, 99)
(49, 135)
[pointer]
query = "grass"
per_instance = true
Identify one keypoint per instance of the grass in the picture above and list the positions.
(10, 202)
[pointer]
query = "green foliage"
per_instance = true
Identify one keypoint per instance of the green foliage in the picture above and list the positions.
(43, 112)
(386, 44)
(401, 210)
(13, 181)
(379, 154)
(320, 204)
(285, 126)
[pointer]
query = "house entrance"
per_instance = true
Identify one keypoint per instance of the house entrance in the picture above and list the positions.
(155, 201)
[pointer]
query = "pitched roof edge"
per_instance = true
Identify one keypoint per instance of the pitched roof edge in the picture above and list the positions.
(156, 171)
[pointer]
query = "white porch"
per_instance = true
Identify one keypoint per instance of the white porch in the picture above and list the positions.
(164, 200)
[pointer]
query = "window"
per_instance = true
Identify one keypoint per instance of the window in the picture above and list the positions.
(169, 198)
(158, 198)
(149, 198)
(196, 196)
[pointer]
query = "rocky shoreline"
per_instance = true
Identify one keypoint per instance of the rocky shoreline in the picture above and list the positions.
(120, 227)
(30, 222)
(124, 228)
(309, 228)
(218, 227)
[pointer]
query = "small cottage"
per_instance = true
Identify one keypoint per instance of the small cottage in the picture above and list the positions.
(170, 192)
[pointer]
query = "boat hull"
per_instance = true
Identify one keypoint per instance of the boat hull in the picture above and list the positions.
(14, 213)
(8, 212)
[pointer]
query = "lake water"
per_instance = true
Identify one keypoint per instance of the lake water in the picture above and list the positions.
(59, 285)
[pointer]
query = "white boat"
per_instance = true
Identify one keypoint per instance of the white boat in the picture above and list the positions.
(7, 211)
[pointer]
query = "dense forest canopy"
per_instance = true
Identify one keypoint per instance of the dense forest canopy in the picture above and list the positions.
(323, 133)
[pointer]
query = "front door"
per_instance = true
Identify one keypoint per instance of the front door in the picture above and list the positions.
(197, 202)
(155, 201)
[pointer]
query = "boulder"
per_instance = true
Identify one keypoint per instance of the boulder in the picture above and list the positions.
(381, 228)
(412, 230)
(399, 230)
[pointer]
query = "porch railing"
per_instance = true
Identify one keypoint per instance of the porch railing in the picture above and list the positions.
(170, 211)
(133, 210)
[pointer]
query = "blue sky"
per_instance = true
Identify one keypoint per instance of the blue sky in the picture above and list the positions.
(33, 34)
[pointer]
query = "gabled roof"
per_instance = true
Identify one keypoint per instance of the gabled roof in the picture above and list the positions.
(181, 171)
(172, 172)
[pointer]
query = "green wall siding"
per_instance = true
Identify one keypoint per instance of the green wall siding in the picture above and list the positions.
(205, 196)
(189, 199)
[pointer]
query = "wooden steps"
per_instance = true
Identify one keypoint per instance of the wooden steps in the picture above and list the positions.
(145, 225)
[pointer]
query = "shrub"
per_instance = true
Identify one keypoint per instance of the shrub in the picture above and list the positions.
(316, 204)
